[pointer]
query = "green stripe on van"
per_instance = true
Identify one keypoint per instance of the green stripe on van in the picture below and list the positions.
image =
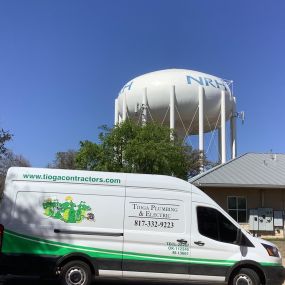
(18, 243)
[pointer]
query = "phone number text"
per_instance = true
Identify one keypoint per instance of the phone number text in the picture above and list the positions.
(154, 224)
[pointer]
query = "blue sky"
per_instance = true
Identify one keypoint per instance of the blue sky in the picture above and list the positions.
(62, 64)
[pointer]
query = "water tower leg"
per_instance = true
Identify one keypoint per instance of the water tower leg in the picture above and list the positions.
(116, 121)
(144, 107)
(124, 117)
(223, 126)
(233, 130)
(172, 109)
(219, 144)
(201, 127)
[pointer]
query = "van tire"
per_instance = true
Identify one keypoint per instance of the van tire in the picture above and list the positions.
(246, 276)
(75, 272)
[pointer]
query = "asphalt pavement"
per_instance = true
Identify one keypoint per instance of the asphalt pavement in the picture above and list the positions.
(12, 280)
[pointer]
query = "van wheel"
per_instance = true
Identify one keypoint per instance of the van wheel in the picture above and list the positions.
(246, 276)
(75, 273)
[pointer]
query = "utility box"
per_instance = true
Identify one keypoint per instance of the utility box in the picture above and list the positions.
(253, 220)
(261, 219)
(278, 218)
(265, 219)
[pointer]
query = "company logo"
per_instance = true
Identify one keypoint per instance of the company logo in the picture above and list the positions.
(204, 81)
(68, 211)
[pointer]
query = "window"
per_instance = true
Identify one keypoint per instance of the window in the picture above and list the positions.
(207, 222)
(214, 225)
(237, 208)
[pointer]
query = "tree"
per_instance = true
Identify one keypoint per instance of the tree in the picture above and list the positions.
(4, 138)
(129, 147)
(64, 160)
(8, 160)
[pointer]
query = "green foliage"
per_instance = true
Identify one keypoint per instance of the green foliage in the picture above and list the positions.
(88, 156)
(130, 147)
(64, 160)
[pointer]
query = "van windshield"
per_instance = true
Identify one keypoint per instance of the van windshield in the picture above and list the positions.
(214, 225)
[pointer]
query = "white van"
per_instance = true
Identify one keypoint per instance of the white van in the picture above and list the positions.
(79, 224)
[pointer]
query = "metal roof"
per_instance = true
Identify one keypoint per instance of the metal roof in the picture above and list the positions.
(251, 170)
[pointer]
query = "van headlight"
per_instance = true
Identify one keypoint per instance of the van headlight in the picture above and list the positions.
(271, 250)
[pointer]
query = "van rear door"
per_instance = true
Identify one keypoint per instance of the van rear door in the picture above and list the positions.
(156, 234)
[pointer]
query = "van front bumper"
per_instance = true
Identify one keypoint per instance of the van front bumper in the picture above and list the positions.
(275, 275)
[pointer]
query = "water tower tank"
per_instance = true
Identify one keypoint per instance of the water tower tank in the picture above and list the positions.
(189, 101)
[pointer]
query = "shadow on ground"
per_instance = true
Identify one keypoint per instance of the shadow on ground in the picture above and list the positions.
(11, 280)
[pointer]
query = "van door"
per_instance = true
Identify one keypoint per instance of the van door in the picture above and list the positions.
(213, 248)
(156, 234)
(69, 219)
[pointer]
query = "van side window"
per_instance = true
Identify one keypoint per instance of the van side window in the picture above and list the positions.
(207, 222)
(214, 225)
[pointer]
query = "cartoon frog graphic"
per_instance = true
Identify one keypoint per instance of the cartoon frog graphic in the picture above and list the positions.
(81, 211)
(67, 211)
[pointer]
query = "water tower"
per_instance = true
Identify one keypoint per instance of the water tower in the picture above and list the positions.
(190, 102)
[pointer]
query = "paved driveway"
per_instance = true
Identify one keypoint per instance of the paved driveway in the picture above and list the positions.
(35, 281)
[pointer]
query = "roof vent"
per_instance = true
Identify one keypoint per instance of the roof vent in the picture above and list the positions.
(273, 156)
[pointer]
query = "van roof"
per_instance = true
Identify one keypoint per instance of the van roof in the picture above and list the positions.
(96, 178)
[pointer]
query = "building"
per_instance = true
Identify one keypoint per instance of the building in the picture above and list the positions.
(251, 188)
